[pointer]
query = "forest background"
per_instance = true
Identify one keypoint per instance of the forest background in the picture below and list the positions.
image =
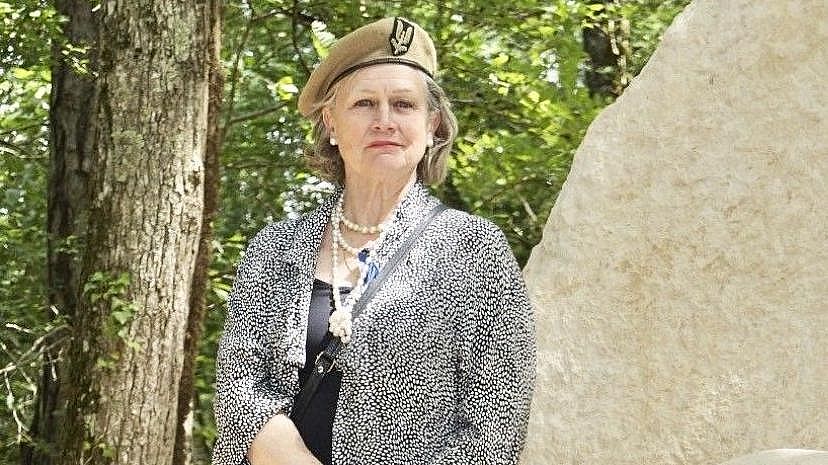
(526, 78)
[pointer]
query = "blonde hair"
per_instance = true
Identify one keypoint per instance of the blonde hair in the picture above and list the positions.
(325, 159)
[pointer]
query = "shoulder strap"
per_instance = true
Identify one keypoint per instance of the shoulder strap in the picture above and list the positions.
(326, 359)
(395, 259)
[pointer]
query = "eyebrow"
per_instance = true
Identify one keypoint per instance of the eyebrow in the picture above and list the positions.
(399, 90)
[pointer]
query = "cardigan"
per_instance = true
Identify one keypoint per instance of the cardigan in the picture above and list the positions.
(441, 364)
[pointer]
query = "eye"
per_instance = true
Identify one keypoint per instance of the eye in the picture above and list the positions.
(364, 103)
(404, 104)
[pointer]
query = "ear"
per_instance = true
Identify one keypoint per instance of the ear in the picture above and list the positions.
(433, 122)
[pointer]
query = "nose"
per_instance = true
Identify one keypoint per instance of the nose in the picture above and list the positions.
(382, 119)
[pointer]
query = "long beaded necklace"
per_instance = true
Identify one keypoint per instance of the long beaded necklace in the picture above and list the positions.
(341, 320)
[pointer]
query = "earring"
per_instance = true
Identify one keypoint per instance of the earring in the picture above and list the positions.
(333, 140)
(430, 142)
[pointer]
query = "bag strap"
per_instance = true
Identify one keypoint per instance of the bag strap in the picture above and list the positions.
(326, 359)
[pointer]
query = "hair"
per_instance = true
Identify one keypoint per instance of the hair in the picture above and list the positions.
(325, 159)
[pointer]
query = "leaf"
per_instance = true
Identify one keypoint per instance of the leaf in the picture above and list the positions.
(286, 85)
(500, 60)
(22, 74)
(220, 293)
(122, 317)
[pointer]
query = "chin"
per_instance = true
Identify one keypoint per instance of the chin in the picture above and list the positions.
(392, 167)
(393, 157)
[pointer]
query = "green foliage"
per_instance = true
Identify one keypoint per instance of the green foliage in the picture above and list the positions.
(23, 340)
(28, 326)
(110, 290)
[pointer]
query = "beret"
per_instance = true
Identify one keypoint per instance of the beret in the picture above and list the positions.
(389, 40)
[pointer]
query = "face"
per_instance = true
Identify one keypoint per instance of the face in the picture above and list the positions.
(381, 122)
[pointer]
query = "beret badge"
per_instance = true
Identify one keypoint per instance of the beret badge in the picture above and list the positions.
(401, 37)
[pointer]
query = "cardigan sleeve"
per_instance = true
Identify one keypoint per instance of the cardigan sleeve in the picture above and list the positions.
(498, 364)
(246, 395)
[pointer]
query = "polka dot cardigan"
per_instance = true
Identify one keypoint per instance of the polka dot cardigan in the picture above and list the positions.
(441, 365)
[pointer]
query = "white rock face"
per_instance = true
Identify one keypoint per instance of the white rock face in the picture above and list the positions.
(682, 280)
(783, 457)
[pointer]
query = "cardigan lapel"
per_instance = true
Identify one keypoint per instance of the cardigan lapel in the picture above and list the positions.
(307, 236)
(302, 252)
(416, 204)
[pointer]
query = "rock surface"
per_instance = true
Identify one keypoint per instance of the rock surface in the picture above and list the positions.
(682, 280)
(783, 457)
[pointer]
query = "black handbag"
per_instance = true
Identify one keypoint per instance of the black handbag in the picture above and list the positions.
(327, 358)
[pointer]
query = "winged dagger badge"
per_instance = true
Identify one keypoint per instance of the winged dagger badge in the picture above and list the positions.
(401, 36)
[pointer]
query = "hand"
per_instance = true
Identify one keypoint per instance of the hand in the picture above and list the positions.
(279, 443)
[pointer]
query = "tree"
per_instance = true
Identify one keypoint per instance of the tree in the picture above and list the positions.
(129, 135)
(606, 44)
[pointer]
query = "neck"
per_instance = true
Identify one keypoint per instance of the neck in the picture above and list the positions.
(369, 202)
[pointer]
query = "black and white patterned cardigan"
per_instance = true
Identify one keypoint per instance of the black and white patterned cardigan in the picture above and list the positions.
(441, 365)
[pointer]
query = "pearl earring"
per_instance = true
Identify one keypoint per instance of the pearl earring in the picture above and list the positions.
(430, 142)
(333, 140)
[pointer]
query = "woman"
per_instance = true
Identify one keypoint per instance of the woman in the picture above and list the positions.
(439, 366)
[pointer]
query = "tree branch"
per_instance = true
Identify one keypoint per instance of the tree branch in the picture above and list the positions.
(22, 128)
(294, 23)
(254, 115)
(234, 77)
(261, 165)
(17, 151)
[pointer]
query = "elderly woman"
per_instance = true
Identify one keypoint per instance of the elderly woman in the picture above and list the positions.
(421, 316)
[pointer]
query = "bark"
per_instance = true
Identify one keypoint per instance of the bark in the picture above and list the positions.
(599, 76)
(605, 45)
(144, 132)
(182, 454)
(71, 132)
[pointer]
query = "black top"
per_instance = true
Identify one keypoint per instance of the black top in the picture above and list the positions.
(316, 426)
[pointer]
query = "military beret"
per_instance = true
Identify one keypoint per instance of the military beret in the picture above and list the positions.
(389, 40)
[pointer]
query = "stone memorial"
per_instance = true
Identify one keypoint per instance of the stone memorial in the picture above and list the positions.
(681, 286)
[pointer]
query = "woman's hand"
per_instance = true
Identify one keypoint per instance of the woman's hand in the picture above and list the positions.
(279, 443)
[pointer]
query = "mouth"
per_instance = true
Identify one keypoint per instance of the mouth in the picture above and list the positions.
(384, 144)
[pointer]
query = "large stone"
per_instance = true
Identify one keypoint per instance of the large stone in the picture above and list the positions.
(682, 280)
(783, 457)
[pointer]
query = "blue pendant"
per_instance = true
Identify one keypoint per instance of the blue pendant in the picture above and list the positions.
(372, 273)
(373, 269)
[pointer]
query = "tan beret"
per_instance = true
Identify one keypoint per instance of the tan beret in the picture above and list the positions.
(389, 40)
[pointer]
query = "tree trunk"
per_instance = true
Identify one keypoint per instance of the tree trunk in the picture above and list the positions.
(143, 125)
(72, 141)
(183, 436)
(606, 46)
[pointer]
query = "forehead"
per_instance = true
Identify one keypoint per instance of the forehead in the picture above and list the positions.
(385, 78)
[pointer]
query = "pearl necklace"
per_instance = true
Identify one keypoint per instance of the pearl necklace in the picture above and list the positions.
(364, 229)
(339, 241)
(341, 319)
